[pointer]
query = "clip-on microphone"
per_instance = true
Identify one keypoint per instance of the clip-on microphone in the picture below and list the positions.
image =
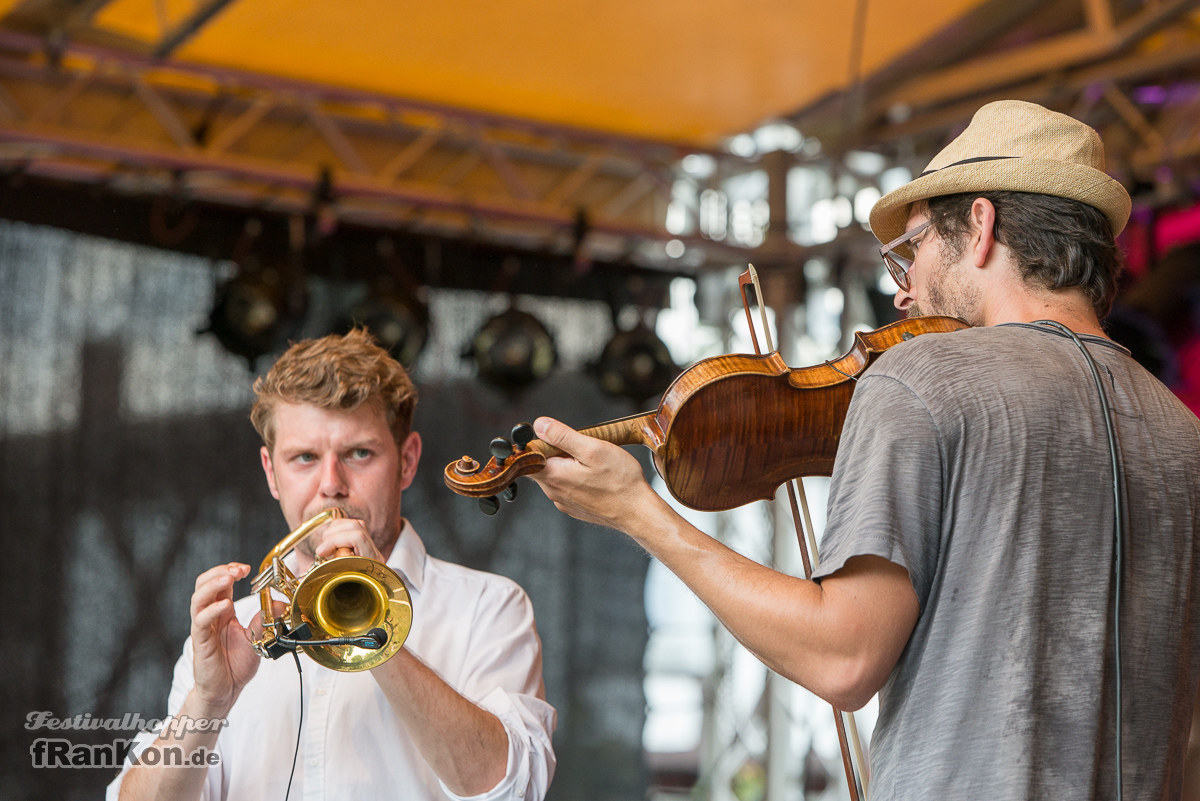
(373, 640)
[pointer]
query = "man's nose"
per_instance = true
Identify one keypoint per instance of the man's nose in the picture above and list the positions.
(902, 300)
(333, 478)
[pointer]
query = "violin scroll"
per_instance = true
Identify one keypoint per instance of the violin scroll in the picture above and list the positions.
(524, 454)
(511, 459)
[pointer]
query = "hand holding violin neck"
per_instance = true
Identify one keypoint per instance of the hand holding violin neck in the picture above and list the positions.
(525, 454)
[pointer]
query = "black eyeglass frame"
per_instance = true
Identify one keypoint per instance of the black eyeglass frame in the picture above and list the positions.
(896, 268)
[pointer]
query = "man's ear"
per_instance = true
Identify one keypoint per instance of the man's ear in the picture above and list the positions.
(269, 469)
(410, 456)
(983, 230)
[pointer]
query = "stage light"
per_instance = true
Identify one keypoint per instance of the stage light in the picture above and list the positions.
(635, 364)
(394, 309)
(261, 307)
(254, 315)
(399, 320)
(512, 350)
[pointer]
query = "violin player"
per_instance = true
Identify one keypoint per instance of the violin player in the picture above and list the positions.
(458, 712)
(1012, 554)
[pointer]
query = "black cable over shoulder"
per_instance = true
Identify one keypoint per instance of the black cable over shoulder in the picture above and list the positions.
(1118, 526)
(299, 726)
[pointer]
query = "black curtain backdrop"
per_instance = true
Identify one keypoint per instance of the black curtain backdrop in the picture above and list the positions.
(128, 466)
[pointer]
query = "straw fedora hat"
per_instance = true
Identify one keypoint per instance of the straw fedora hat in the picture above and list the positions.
(1013, 146)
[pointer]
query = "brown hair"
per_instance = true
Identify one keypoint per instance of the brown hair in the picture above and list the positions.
(1058, 243)
(336, 372)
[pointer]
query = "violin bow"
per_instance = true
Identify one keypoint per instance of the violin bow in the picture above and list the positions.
(847, 731)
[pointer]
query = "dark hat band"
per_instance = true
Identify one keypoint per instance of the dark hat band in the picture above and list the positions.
(967, 161)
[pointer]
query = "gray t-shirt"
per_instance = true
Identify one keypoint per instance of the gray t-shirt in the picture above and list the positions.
(979, 461)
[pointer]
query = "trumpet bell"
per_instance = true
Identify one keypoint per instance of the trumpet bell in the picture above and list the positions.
(349, 596)
(347, 605)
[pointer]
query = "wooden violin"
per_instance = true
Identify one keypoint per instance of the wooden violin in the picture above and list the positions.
(729, 430)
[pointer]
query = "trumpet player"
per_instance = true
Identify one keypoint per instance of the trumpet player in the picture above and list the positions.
(458, 712)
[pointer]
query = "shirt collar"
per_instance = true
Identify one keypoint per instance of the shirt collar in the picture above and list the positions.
(408, 557)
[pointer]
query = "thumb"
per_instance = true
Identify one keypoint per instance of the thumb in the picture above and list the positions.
(560, 435)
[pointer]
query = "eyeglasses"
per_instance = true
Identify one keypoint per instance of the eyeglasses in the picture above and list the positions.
(899, 265)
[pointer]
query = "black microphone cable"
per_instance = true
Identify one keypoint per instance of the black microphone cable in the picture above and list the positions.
(299, 726)
(374, 639)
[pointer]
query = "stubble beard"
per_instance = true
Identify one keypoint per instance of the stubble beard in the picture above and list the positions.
(948, 294)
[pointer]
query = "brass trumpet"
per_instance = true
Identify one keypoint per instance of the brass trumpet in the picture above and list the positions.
(348, 613)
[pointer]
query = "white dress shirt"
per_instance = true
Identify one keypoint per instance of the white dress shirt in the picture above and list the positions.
(475, 629)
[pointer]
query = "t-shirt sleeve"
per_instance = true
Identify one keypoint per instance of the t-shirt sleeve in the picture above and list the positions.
(885, 496)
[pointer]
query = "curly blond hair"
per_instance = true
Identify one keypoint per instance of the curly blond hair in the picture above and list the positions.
(336, 372)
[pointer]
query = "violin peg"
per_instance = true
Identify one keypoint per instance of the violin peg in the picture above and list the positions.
(501, 449)
(466, 466)
(489, 505)
(522, 435)
(509, 493)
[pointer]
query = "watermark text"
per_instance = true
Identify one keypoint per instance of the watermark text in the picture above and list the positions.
(171, 728)
(59, 752)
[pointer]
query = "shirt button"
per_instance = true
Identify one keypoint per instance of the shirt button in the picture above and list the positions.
(320, 691)
(312, 763)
